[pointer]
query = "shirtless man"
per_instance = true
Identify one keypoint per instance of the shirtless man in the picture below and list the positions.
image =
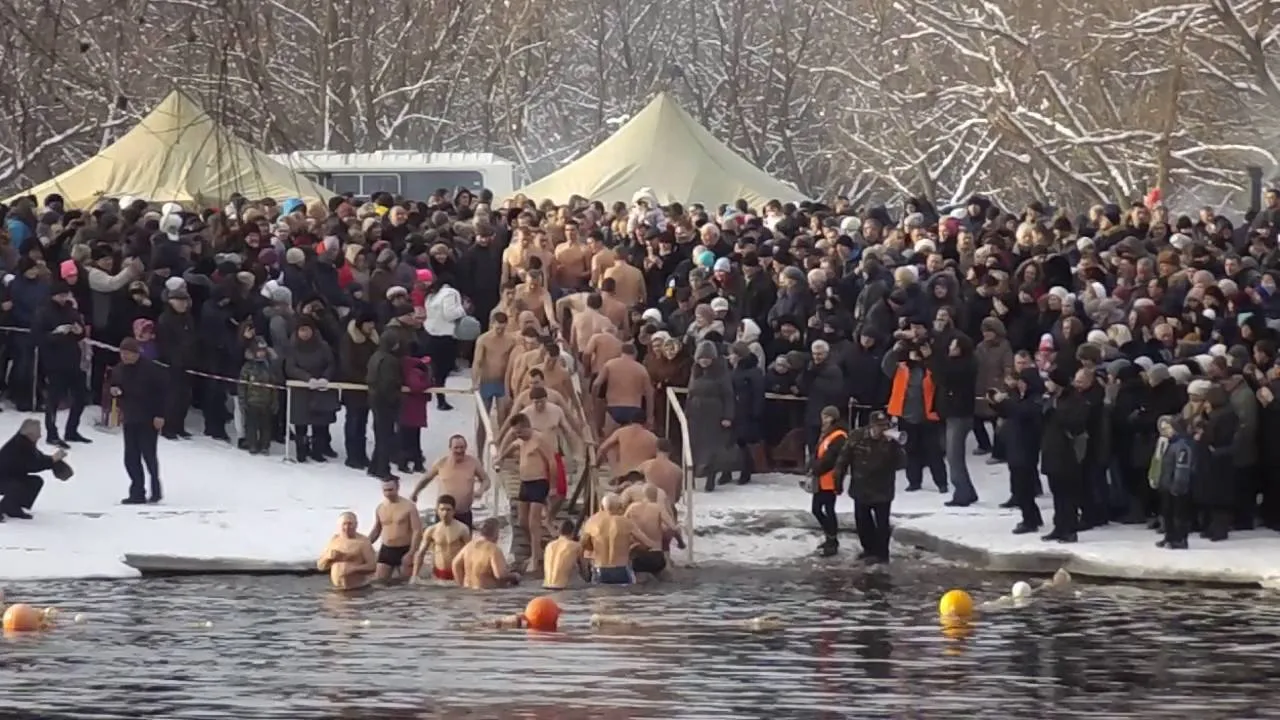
(600, 349)
(563, 560)
(602, 257)
(526, 353)
(349, 557)
(480, 565)
(664, 473)
(610, 539)
(537, 298)
(588, 321)
(618, 312)
(398, 518)
(573, 269)
(628, 279)
(537, 462)
(492, 355)
(627, 388)
(549, 419)
(627, 448)
(445, 538)
(652, 519)
(459, 474)
(555, 369)
(523, 400)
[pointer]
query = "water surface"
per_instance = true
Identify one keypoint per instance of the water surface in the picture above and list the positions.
(859, 645)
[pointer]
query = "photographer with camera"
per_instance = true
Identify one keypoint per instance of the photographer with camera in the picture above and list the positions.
(911, 402)
(20, 464)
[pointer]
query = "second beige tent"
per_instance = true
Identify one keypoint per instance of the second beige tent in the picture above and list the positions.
(664, 149)
(178, 153)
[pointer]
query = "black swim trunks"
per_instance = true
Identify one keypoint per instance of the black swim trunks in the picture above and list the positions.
(466, 519)
(624, 415)
(649, 561)
(534, 491)
(392, 555)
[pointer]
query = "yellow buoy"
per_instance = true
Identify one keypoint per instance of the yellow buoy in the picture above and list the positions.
(955, 604)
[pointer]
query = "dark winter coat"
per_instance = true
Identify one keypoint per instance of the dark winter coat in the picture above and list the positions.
(311, 360)
(748, 400)
(1023, 426)
(220, 353)
(1177, 466)
(863, 381)
(822, 385)
(59, 351)
(354, 353)
(1213, 483)
(956, 379)
(1066, 425)
(177, 339)
(1165, 398)
(253, 394)
(385, 375)
(995, 360)
(710, 401)
(20, 457)
(142, 391)
(872, 463)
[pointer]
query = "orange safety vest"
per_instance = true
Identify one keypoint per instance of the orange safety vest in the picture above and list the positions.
(899, 392)
(827, 481)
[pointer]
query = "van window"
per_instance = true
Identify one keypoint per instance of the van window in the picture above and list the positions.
(371, 184)
(343, 184)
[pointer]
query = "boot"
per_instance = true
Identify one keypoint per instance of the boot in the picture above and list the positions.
(710, 482)
(442, 403)
(317, 452)
(302, 450)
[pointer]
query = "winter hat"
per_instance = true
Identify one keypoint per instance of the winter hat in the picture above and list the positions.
(1046, 343)
(180, 293)
(171, 226)
(750, 330)
(653, 315)
(1203, 361)
(8, 278)
(423, 275)
(281, 295)
(722, 265)
(1084, 244)
(1180, 373)
(1180, 242)
(267, 288)
(706, 258)
(706, 351)
(719, 305)
(129, 345)
(169, 208)
(831, 412)
(395, 290)
(660, 336)
(246, 278)
(1210, 313)
(386, 257)
(1228, 287)
(290, 206)
(1059, 292)
(143, 326)
(1157, 373)
(1199, 388)
(925, 245)
(174, 283)
(269, 257)
(850, 225)
(68, 271)
(1218, 350)
(352, 252)
(1097, 337)
(295, 256)
(1115, 366)
(1144, 362)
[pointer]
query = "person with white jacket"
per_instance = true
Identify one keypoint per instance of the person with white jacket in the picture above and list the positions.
(444, 309)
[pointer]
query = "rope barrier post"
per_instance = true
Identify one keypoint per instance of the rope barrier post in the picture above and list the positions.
(290, 448)
(35, 375)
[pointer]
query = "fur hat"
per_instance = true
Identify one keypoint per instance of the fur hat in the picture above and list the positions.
(295, 256)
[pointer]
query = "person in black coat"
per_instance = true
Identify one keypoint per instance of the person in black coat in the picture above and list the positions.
(20, 463)
(58, 330)
(748, 409)
(1021, 408)
(179, 343)
(866, 385)
(139, 387)
(1063, 447)
(871, 456)
(822, 385)
(955, 370)
(221, 356)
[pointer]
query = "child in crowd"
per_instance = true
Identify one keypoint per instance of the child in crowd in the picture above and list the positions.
(1170, 474)
(144, 331)
(258, 401)
(413, 413)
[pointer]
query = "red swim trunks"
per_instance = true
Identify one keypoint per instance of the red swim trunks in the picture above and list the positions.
(442, 573)
(561, 477)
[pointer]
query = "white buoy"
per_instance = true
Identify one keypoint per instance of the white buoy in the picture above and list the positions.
(366, 623)
(206, 624)
(80, 619)
(1021, 590)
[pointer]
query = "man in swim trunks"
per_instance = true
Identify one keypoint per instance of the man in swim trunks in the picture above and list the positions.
(652, 519)
(627, 390)
(492, 355)
(610, 540)
(627, 449)
(537, 464)
(563, 560)
(664, 473)
(348, 557)
(398, 518)
(480, 565)
(459, 474)
(446, 537)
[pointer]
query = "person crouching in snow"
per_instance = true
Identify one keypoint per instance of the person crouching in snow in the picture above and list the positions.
(413, 413)
(258, 401)
(1172, 466)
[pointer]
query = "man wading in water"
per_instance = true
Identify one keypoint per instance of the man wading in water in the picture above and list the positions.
(446, 537)
(563, 560)
(480, 565)
(609, 537)
(397, 523)
(537, 464)
(458, 473)
(349, 557)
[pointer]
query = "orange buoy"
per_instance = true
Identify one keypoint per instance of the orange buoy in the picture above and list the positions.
(22, 618)
(542, 614)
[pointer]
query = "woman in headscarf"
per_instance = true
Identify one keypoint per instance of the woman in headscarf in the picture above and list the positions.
(668, 364)
(709, 410)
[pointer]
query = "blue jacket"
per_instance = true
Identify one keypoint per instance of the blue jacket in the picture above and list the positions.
(29, 297)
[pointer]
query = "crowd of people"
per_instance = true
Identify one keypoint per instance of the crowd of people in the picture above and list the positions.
(1127, 354)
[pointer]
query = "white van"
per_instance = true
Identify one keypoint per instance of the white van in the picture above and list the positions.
(413, 175)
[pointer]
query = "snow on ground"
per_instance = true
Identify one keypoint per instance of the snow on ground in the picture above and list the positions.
(223, 503)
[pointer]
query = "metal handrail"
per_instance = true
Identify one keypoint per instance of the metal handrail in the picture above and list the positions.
(686, 467)
(488, 450)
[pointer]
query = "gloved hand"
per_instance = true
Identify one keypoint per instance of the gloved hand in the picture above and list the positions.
(313, 383)
(322, 384)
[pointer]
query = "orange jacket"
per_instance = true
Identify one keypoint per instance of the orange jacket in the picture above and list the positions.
(827, 480)
(899, 392)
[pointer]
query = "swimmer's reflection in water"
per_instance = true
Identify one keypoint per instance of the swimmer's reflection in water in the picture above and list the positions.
(601, 621)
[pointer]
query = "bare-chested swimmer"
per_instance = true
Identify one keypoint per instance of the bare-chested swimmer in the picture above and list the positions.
(627, 390)
(461, 477)
(562, 561)
(627, 448)
(397, 523)
(654, 521)
(444, 539)
(349, 557)
(664, 473)
(480, 565)
(609, 537)
(536, 466)
(492, 355)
